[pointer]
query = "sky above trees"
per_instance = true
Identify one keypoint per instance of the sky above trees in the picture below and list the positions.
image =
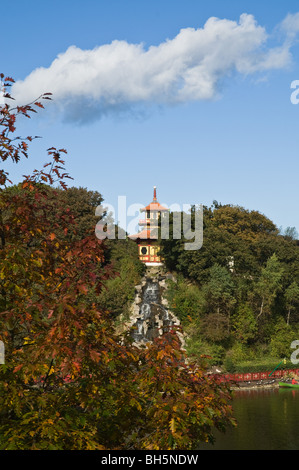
(193, 97)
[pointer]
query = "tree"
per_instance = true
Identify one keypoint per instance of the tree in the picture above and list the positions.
(268, 284)
(185, 300)
(228, 231)
(244, 324)
(82, 204)
(219, 302)
(290, 232)
(265, 264)
(219, 290)
(282, 337)
(215, 327)
(292, 298)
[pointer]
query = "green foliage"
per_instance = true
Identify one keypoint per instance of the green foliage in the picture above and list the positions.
(229, 365)
(246, 278)
(120, 252)
(267, 364)
(237, 353)
(218, 290)
(268, 284)
(82, 204)
(185, 300)
(282, 337)
(228, 231)
(118, 293)
(215, 328)
(291, 232)
(204, 351)
(244, 324)
(292, 299)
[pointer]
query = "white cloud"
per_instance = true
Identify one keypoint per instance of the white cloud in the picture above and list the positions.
(291, 24)
(89, 83)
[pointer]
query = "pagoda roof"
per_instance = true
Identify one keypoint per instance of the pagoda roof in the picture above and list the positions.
(145, 234)
(154, 205)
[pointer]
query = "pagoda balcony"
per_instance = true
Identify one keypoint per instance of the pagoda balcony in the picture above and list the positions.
(146, 221)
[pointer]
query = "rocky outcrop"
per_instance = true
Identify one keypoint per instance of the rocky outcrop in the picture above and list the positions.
(150, 314)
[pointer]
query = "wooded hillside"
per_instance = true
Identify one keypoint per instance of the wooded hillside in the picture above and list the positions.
(238, 296)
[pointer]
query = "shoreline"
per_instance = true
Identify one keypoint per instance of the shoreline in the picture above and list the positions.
(261, 385)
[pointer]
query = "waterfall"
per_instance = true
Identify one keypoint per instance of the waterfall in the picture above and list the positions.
(151, 318)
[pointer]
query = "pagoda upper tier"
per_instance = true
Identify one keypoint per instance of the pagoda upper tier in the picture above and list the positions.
(153, 211)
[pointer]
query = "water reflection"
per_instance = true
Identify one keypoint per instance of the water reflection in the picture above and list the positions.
(267, 420)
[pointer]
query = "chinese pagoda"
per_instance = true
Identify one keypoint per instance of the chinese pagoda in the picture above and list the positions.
(147, 238)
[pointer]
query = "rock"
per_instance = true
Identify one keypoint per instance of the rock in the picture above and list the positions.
(150, 315)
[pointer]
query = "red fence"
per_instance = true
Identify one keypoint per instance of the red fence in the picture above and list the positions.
(252, 376)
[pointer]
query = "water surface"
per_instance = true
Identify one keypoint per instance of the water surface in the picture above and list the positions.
(267, 420)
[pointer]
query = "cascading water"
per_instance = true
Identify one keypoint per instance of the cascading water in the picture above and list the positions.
(153, 318)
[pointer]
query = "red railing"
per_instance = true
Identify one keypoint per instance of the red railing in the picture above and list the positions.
(255, 376)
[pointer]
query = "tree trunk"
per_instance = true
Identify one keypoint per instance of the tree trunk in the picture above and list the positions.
(261, 309)
(288, 317)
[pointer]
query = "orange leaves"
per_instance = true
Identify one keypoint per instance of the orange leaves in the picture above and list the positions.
(54, 173)
(161, 354)
(37, 103)
(6, 79)
(82, 288)
(50, 313)
(14, 147)
(10, 148)
(95, 356)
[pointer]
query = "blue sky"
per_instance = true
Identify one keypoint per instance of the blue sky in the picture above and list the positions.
(152, 94)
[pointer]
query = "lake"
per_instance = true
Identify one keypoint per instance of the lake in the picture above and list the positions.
(267, 420)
